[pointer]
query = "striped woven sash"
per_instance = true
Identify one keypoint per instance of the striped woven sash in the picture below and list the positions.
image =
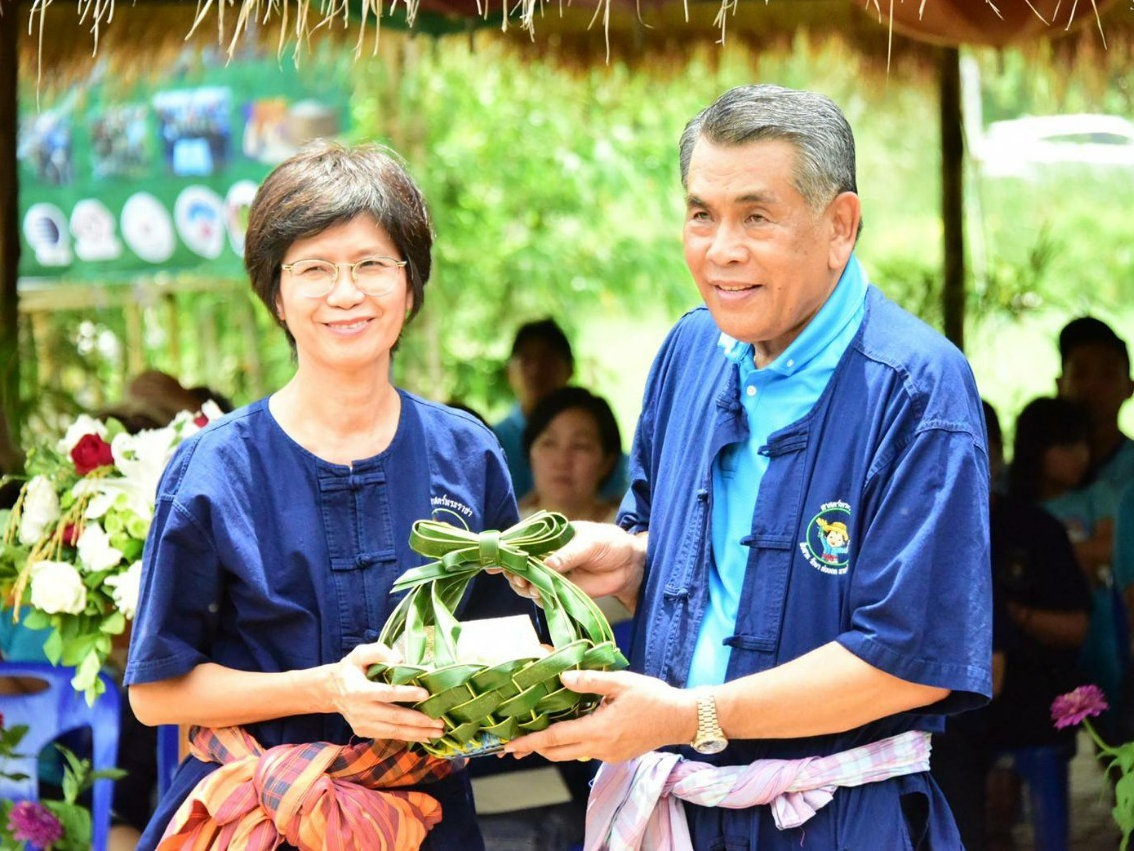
(312, 796)
(638, 803)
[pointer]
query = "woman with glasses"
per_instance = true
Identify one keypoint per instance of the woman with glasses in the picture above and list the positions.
(279, 530)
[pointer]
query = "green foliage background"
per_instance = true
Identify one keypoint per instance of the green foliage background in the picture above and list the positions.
(555, 191)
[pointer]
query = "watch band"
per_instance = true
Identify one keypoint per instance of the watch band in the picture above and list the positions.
(710, 738)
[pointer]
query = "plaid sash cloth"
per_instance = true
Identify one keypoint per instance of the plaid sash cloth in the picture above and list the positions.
(313, 796)
(638, 803)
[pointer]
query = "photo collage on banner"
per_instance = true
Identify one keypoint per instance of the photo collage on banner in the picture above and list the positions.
(122, 181)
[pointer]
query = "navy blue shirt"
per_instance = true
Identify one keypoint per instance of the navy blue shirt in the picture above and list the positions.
(264, 557)
(894, 450)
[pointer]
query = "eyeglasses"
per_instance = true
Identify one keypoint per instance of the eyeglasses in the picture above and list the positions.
(374, 276)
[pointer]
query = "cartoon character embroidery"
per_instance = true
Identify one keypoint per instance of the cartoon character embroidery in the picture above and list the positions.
(835, 540)
(826, 546)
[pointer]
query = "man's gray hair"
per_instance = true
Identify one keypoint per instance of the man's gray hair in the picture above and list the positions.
(811, 122)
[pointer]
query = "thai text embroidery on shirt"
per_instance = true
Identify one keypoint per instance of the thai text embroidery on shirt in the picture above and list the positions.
(445, 503)
(827, 545)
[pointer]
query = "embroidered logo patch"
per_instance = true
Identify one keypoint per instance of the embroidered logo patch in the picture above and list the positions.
(827, 547)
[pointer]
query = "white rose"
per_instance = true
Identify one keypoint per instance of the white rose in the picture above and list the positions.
(101, 495)
(125, 589)
(141, 458)
(56, 587)
(95, 551)
(212, 410)
(184, 424)
(83, 425)
(41, 509)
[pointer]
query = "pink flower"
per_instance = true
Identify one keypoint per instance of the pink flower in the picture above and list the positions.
(200, 421)
(31, 821)
(1070, 709)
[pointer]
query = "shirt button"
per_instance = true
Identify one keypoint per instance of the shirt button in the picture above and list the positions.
(790, 364)
(750, 390)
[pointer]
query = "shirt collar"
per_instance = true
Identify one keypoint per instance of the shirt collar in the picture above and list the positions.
(840, 308)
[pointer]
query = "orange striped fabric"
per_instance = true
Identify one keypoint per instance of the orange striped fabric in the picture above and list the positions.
(312, 796)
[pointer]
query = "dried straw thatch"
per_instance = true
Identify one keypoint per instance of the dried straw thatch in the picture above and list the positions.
(61, 32)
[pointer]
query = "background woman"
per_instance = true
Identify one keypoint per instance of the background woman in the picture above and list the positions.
(573, 445)
(280, 528)
(1050, 459)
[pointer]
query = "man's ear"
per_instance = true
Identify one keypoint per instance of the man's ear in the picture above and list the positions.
(843, 215)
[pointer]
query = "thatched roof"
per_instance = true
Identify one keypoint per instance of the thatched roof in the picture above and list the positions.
(65, 35)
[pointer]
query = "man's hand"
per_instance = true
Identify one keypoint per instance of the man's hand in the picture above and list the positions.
(601, 559)
(638, 714)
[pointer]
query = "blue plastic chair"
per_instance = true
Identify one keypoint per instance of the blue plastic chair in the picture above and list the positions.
(50, 713)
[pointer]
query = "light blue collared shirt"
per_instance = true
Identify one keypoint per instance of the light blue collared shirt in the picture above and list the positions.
(773, 397)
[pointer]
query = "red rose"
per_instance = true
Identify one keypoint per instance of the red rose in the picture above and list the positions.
(90, 453)
(201, 421)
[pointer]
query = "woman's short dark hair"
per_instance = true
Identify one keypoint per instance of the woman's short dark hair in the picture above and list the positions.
(1045, 422)
(571, 398)
(327, 184)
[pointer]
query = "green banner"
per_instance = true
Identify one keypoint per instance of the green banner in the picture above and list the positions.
(120, 181)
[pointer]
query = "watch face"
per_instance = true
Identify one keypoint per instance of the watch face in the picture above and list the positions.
(710, 746)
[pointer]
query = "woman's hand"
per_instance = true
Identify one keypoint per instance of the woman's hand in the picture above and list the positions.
(371, 708)
(601, 559)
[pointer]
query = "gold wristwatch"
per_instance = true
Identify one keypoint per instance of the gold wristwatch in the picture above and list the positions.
(710, 738)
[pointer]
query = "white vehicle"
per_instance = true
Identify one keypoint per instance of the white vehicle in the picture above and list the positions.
(1028, 147)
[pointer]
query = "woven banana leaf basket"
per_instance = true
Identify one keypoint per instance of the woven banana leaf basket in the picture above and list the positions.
(485, 706)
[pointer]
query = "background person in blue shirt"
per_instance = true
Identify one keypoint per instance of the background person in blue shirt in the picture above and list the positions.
(541, 363)
(746, 441)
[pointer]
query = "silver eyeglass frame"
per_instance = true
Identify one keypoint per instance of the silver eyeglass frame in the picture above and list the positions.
(392, 264)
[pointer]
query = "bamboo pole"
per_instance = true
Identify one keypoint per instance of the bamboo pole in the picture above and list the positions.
(952, 196)
(9, 228)
(253, 365)
(135, 341)
(210, 359)
(39, 329)
(173, 331)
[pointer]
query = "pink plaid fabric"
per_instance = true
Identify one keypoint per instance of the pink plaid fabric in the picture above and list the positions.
(638, 803)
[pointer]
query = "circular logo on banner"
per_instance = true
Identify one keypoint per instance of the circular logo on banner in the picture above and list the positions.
(147, 228)
(199, 214)
(45, 229)
(92, 225)
(236, 206)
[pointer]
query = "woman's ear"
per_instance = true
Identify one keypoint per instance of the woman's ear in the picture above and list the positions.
(608, 467)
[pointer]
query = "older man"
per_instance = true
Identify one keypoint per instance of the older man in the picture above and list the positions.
(796, 401)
